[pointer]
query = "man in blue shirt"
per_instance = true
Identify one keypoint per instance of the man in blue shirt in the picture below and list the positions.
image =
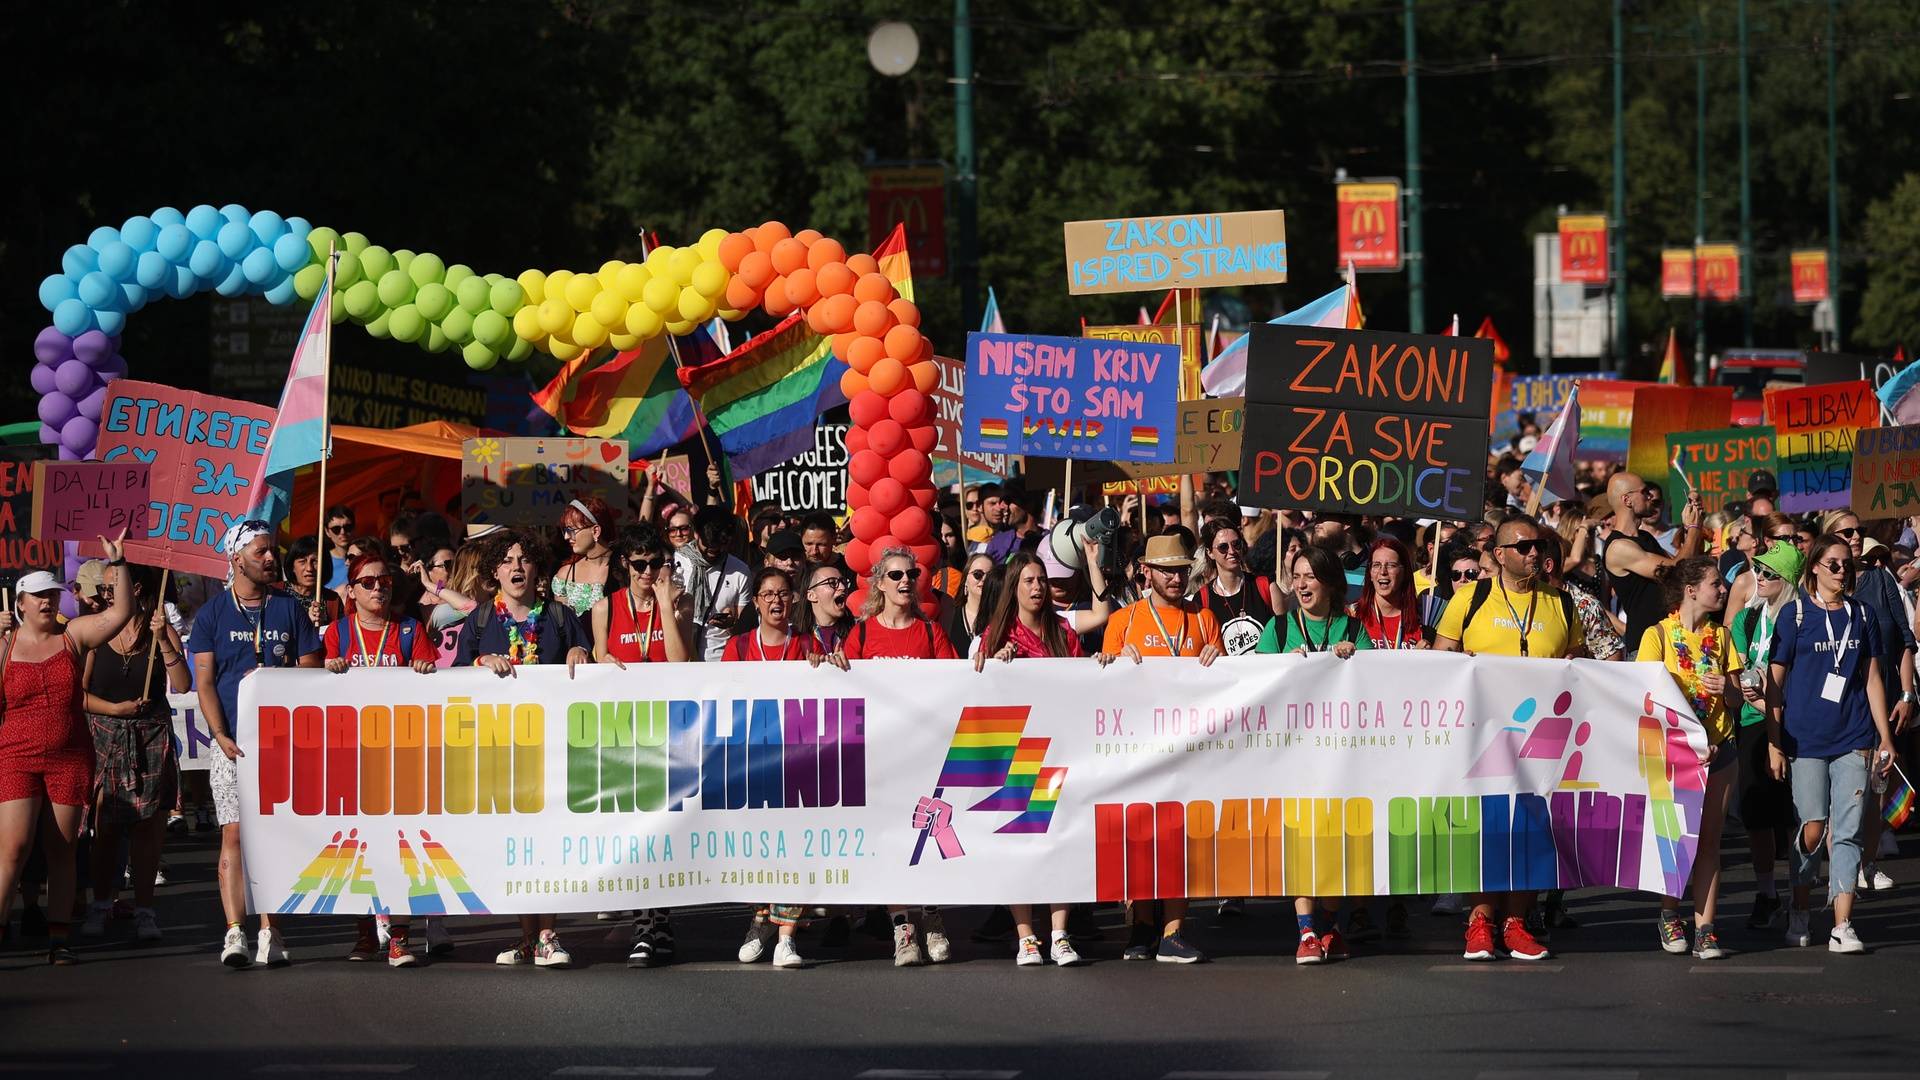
(252, 626)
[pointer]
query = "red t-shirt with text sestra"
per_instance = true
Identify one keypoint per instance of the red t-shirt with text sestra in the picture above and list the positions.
(367, 648)
(918, 640)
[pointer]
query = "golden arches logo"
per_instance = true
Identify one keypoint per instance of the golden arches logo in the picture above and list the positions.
(908, 210)
(1583, 245)
(1368, 219)
(1717, 270)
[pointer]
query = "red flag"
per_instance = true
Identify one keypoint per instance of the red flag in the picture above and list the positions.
(1501, 353)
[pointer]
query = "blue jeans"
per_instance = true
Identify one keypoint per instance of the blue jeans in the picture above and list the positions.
(1829, 790)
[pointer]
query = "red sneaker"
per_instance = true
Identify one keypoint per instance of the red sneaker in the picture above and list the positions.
(1309, 951)
(1519, 944)
(1333, 944)
(1479, 939)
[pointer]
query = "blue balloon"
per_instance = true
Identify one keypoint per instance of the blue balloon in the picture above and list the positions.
(102, 236)
(234, 283)
(111, 322)
(207, 261)
(291, 252)
(78, 260)
(183, 283)
(267, 225)
(282, 293)
(73, 317)
(299, 226)
(132, 297)
(258, 266)
(236, 213)
(97, 290)
(139, 231)
(235, 239)
(205, 221)
(55, 288)
(167, 215)
(153, 270)
(174, 243)
(117, 259)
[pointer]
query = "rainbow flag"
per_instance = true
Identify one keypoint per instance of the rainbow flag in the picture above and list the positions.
(985, 742)
(1039, 812)
(1896, 806)
(635, 396)
(1021, 774)
(1146, 438)
(993, 429)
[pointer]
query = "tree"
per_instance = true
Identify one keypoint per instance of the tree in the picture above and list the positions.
(1890, 310)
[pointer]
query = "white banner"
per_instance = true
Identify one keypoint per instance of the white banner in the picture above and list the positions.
(912, 782)
(192, 740)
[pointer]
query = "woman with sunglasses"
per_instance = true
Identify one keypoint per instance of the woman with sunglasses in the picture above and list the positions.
(823, 614)
(650, 620)
(582, 580)
(1766, 804)
(1242, 602)
(1825, 734)
(1386, 608)
(1877, 587)
(370, 635)
(966, 617)
(1697, 653)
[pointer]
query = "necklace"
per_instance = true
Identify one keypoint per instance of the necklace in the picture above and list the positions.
(1523, 628)
(1694, 669)
(523, 645)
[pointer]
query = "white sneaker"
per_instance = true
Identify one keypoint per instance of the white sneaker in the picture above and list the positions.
(233, 951)
(1797, 930)
(521, 953)
(906, 947)
(785, 955)
(1064, 954)
(935, 928)
(1844, 940)
(439, 942)
(1449, 904)
(146, 926)
(1872, 879)
(760, 934)
(273, 950)
(1027, 953)
(383, 929)
(95, 924)
(548, 952)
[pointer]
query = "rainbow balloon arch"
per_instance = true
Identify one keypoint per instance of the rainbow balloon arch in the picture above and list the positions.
(418, 298)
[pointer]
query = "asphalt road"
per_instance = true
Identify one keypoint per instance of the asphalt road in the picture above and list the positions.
(1609, 1004)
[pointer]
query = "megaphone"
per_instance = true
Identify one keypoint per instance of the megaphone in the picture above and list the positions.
(1067, 539)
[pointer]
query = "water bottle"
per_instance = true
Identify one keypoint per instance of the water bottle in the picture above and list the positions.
(1877, 776)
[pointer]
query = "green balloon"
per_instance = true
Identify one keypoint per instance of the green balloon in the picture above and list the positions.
(426, 267)
(436, 339)
(478, 356)
(396, 288)
(473, 295)
(362, 299)
(355, 242)
(337, 310)
(308, 280)
(491, 328)
(345, 272)
(378, 327)
(506, 297)
(458, 325)
(374, 261)
(402, 259)
(321, 240)
(433, 300)
(522, 348)
(456, 274)
(405, 323)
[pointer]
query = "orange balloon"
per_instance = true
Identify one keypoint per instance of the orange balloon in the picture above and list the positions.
(926, 376)
(837, 313)
(734, 248)
(863, 353)
(776, 301)
(816, 321)
(824, 251)
(789, 255)
(842, 344)
(834, 279)
(852, 384)
(888, 377)
(771, 233)
(903, 344)
(742, 296)
(926, 350)
(800, 287)
(872, 318)
(904, 312)
(863, 264)
(873, 287)
(809, 237)
(756, 269)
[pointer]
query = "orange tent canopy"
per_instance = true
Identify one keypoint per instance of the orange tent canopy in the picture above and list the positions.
(378, 472)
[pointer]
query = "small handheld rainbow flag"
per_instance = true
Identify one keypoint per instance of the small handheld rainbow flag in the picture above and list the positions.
(1896, 806)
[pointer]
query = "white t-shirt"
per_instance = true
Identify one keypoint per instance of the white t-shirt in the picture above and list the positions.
(727, 585)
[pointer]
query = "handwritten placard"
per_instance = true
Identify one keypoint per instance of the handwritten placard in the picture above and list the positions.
(531, 481)
(1658, 410)
(816, 480)
(1363, 422)
(1070, 397)
(203, 451)
(1186, 335)
(1606, 419)
(1717, 462)
(1179, 251)
(1815, 427)
(674, 470)
(1886, 472)
(84, 500)
(948, 409)
(1206, 440)
(20, 550)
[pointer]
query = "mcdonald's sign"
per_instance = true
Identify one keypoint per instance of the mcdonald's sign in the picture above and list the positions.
(1368, 220)
(1676, 273)
(1583, 249)
(1809, 276)
(1718, 266)
(916, 197)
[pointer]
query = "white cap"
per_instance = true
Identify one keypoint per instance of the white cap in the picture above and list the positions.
(39, 581)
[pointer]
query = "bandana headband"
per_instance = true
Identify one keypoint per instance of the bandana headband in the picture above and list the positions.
(584, 512)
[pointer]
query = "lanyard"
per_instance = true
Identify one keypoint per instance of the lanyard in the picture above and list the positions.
(360, 643)
(1399, 626)
(1233, 610)
(642, 635)
(1326, 639)
(1175, 647)
(259, 624)
(1845, 639)
(1524, 627)
(760, 646)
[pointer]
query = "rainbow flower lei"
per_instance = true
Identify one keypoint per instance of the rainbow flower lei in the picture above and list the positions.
(1689, 676)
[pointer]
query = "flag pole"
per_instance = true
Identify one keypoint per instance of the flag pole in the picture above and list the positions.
(322, 554)
(673, 347)
(153, 645)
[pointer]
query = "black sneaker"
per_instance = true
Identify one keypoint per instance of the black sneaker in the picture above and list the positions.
(877, 924)
(997, 927)
(1141, 941)
(1765, 910)
(1397, 920)
(644, 953)
(1360, 927)
(1175, 950)
(839, 930)
(1539, 924)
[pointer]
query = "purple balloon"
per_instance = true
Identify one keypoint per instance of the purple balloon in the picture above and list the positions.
(49, 435)
(79, 434)
(94, 404)
(74, 379)
(57, 408)
(112, 367)
(69, 455)
(42, 378)
(52, 346)
(92, 347)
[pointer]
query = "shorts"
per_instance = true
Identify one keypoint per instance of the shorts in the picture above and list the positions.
(1725, 756)
(223, 775)
(136, 773)
(1765, 803)
(63, 777)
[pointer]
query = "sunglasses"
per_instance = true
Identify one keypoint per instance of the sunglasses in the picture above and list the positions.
(1791, 538)
(1764, 574)
(1833, 566)
(1467, 575)
(837, 584)
(904, 575)
(977, 575)
(640, 565)
(973, 504)
(676, 529)
(1228, 549)
(370, 582)
(339, 528)
(1847, 534)
(1523, 547)
(443, 564)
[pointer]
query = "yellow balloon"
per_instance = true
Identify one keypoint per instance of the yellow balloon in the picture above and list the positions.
(680, 327)
(694, 307)
(526, 323)
(589, 331)
(661, 295)
(609, 309)
(709, 279)
(657, 259)
(534, 284)
(631, 282)
(557, 284)
(731, 315)
(623, 342)
(682, 265)
(643, 322)
(581, 291)
(555, 315)
(562, 350)
(607, 270)
(709, 245)
(713, 236)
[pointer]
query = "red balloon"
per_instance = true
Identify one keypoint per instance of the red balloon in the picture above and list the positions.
(925, 555)
(887, 495)
(867, 409)
(909, 406)
(913, 525)
(923, 438)
(868, 524)
(910, 467)
(856, 494)
(856, 439)
(926, 498)
(886, 438)
(859, 557)
(867, 468)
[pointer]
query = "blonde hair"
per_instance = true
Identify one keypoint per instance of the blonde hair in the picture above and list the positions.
(876, 600)
(465, 578)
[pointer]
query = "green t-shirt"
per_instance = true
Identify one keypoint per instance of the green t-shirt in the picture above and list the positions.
(1752, 628)
(1282, 633)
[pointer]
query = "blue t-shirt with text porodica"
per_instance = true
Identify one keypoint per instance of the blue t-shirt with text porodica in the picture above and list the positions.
(223, 628)
(1807, 642)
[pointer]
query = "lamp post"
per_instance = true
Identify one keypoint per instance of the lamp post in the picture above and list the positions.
(1416, 252)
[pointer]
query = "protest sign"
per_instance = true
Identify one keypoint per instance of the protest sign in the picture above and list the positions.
(948, 409)
(22, 552)
(518, 482)
(675, 472)
(1660, 410)
(1815, 428)
(1178, 251)
(203, 451)
(85, 500)
(1390, 773)
(1718, 463)
(1186, 335)
(366, 397)
(193, 741)
(1206, 440)
(1886, 473)
(1541, 395)
(1356, 421)
(816, 480)
(1847, 367)
(1151, 485)
(1606, 419)
(1070, 397)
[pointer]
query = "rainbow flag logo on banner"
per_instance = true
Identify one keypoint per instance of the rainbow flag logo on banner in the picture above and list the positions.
(994, 429)
(988, 751)
(1146, 439)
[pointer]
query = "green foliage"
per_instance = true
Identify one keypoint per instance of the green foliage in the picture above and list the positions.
(1890, 311)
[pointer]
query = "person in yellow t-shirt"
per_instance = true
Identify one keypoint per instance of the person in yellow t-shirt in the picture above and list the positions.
(1699, 653)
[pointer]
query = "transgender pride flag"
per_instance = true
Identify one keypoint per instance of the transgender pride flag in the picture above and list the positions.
(299, 435)
(1227, 375)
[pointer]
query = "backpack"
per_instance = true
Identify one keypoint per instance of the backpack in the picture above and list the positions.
(1483, 588)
